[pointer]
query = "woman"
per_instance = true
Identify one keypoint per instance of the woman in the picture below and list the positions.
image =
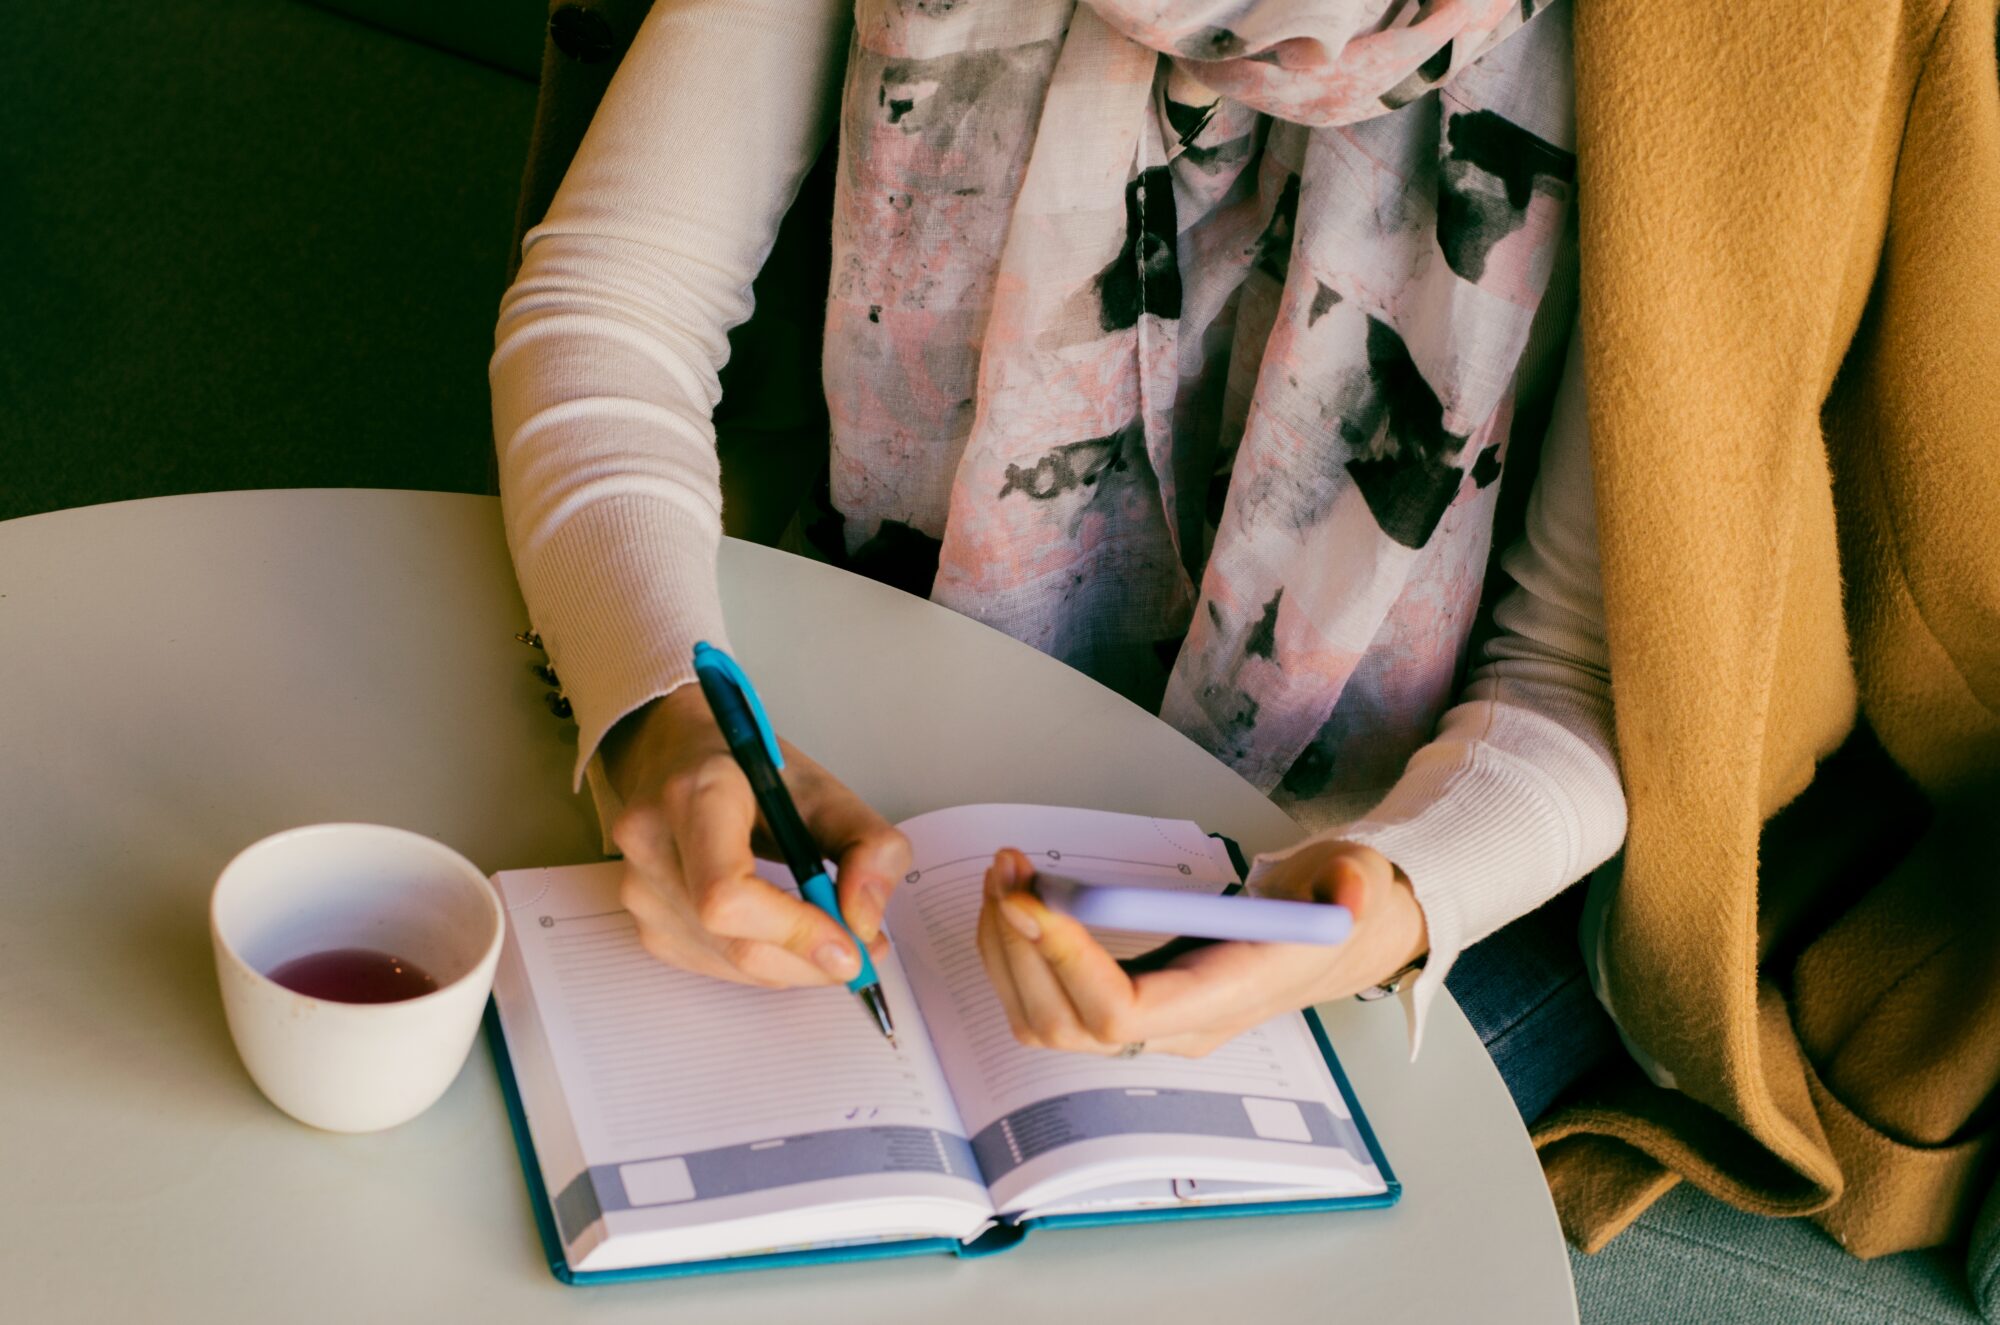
(1181, 340)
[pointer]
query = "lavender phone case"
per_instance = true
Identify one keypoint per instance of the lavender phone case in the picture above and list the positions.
(1194, 915)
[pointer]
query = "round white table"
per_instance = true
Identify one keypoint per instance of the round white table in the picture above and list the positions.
(186, 674)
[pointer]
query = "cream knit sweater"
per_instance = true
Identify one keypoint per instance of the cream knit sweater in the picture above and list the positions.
(604, 376)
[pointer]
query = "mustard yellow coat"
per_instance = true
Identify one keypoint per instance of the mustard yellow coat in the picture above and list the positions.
(1791, 316)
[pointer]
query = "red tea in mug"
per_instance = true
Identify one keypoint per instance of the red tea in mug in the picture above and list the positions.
(354, 975)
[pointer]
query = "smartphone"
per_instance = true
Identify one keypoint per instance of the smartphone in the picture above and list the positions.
(1231, 916)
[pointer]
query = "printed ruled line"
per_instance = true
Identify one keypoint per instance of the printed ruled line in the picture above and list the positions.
(670, 1061)
(918, 873)
(594, 915)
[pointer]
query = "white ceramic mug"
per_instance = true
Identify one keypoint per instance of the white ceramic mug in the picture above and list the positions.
(353, 1067)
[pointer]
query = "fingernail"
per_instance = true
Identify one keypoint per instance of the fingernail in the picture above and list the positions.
(1023, 923)
(836, 960)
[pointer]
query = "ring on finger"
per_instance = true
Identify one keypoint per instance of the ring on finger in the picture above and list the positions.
(1132, 1049)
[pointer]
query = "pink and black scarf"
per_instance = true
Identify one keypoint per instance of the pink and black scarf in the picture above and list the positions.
(1179, 339)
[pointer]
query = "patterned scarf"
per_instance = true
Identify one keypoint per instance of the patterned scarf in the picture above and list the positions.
(1178, 339)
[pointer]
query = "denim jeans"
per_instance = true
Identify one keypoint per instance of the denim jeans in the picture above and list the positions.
(1525, 992)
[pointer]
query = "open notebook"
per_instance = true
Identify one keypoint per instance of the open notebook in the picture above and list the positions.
(672, 1123)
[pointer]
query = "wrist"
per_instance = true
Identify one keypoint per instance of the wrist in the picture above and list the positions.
(661, 723)
(1408, 943)
(1414, 941)
(1412, 945)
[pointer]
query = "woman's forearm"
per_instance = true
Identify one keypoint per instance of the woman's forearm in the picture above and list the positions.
(608, 344)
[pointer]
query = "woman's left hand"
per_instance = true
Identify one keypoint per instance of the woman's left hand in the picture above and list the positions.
(1062, 990)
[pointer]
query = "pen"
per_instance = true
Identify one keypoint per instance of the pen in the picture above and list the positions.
(740, 715)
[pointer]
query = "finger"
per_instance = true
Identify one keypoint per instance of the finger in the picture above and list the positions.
(652, 890)
(1045, 1002)
(1194, 1044)
(1045, 1008)
(1208, 997)
(712, 834)
(1227, 988)
(1092, 986)
(873, 856)
(643, 838)
(768, 964)
(670, 935)
(995, 962)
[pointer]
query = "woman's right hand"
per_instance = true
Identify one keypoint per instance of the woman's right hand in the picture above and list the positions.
(690, 880)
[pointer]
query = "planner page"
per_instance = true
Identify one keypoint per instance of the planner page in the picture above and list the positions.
(1050, 1128)
(680, 1117)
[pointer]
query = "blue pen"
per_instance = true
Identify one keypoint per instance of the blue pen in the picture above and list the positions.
(740, 715)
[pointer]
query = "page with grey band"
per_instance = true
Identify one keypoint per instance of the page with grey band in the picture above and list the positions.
(1260, 1113)
(700, 1106)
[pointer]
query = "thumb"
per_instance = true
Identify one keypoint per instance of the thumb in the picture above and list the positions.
(1345, 873)
(869, 873)
(1347, 881)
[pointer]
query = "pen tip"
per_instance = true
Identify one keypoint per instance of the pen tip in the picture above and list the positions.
(878, 1008)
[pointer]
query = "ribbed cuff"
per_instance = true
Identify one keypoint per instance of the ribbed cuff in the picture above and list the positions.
(620, 593)
(1482, 836)
(1468, 833)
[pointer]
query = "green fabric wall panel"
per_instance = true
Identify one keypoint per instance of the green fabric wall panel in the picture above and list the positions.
(250, 244)
(506, 34)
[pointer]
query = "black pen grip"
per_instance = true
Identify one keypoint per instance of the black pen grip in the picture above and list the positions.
(781, 815)
(774, 801)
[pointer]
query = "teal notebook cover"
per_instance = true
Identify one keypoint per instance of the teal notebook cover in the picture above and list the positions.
(997, 1239)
